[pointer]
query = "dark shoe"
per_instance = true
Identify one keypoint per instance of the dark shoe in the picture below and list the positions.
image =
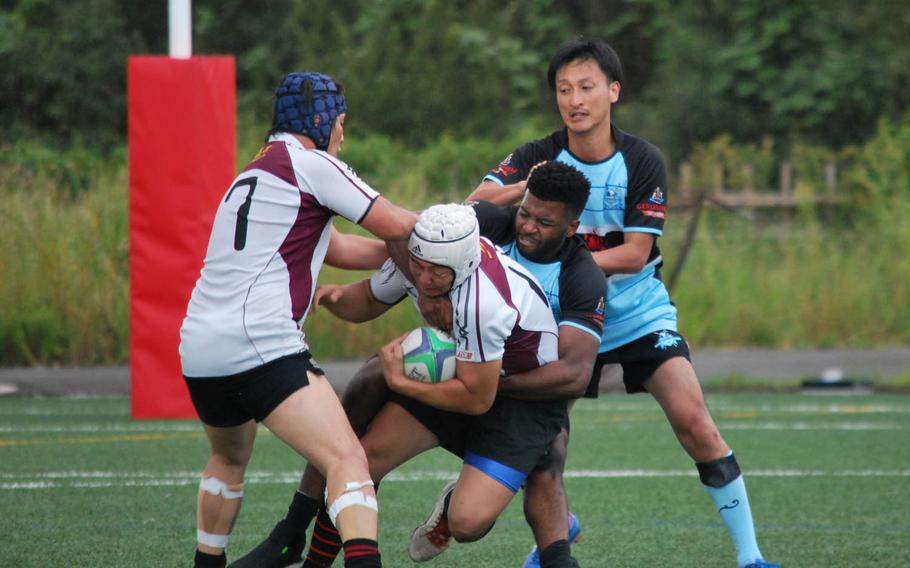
(283, 548)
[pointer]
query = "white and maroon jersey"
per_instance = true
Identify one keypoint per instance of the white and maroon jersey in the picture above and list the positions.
(499, 312)
(268, 242)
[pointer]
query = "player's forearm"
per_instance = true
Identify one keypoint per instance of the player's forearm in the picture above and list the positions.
(557, 380)
(360, 253)
(500, 195)
(623, 259)
(452, 395)
(354, 252)
(350, 312)
(356, 305)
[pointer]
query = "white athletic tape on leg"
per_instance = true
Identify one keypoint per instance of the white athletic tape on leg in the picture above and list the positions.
(353, 496)
(213, 540)
(215, 486)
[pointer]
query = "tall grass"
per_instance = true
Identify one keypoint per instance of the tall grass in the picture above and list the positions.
(819, 278)
(63, 266)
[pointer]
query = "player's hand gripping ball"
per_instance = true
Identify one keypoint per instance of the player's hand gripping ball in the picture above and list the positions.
(429, 355)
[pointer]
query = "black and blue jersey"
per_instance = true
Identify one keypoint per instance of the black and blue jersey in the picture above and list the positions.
(628, 194)
(572, 282)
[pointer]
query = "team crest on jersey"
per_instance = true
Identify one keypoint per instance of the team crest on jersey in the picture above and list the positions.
(484, 248)
(505, 167)
(657, 196)
(261, 153)
(612, 200)
(666, 340)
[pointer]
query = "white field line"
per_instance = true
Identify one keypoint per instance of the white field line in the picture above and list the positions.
(717, 405)
(112, 479)
(756, 422)
(823, 426)
(101, 428)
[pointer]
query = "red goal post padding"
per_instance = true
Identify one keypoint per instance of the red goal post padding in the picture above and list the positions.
(181, 145)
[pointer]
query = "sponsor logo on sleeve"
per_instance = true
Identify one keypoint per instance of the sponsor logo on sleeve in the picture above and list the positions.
(598, 315)
(657, 196)
(652, 210)
(464, 354)
(505, 167)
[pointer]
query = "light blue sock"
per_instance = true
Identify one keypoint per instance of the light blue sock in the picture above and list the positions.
(733, 505)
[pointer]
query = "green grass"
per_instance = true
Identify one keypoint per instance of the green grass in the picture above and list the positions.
(83, 486)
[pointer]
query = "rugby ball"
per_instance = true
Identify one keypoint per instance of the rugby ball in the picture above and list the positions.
(429, 355)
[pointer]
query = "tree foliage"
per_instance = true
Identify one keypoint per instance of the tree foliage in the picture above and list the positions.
(419, 69)
(809, 70)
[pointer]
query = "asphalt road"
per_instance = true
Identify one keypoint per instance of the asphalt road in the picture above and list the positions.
(751, 363)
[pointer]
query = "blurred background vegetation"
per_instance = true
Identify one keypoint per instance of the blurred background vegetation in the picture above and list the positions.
(438, 92)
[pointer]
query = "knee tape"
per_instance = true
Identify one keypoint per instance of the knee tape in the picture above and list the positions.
(719, 472)
(215, 486)
(351, 496)
(213, 540)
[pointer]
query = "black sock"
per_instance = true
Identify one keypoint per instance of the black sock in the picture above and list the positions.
(361, 553)
(203, 560)
(324, 543)
(301, 511)
(557, 555)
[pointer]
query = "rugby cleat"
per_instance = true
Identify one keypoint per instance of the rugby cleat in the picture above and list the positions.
(533, 559)
(283, 548)
(762, 564)
(432, 537)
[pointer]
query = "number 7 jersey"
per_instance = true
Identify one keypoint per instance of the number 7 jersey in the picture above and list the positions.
(268, 242)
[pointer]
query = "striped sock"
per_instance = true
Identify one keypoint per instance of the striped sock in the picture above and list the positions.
(361, 553)
(324, 544)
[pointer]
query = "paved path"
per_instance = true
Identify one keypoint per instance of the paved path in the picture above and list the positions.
(750, 363)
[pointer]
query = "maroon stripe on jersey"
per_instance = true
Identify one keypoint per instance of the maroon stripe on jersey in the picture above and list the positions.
(522, 346)
(495, 271)
(298, 248)
(521, 351)
(345, 174)
(492, 267)
(274, 158)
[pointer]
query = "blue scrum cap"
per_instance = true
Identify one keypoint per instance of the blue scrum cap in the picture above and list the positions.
(307, 103)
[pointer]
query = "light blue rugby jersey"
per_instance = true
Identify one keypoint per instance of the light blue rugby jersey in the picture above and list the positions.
(628, 194)
(572, 282)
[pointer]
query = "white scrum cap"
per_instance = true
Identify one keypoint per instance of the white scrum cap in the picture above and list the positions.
(448, 235)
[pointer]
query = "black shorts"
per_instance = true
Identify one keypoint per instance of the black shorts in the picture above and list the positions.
(639, 359)
(514, 433)
(251, 395)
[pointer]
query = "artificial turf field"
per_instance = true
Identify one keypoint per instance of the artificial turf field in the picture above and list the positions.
(81, 485)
